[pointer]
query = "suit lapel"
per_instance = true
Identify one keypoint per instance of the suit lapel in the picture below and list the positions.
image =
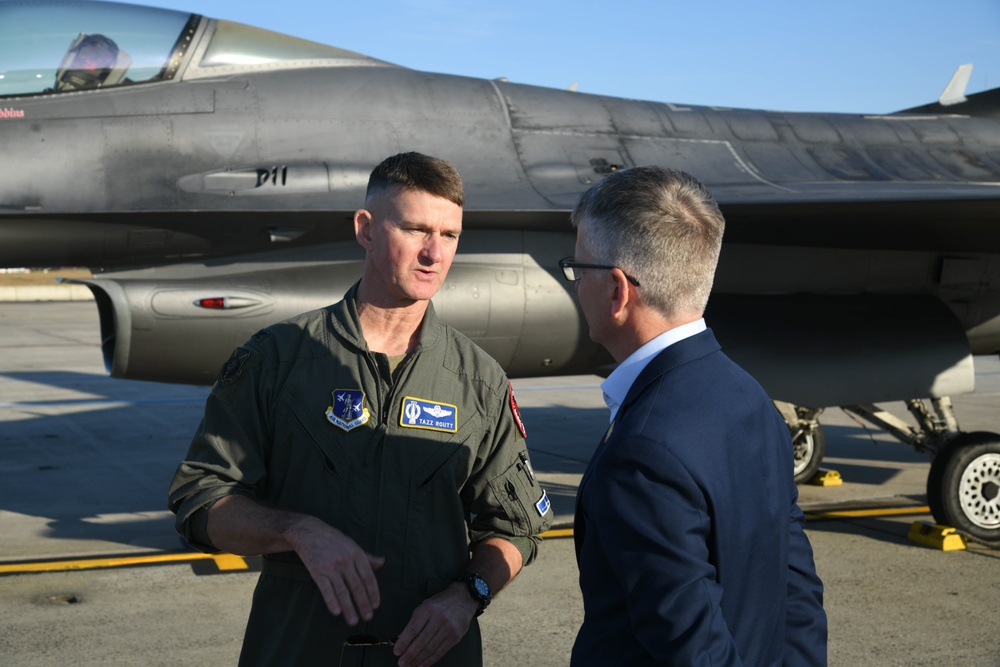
(684, 351)
(681, 352)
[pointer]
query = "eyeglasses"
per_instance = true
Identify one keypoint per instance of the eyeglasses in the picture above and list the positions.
(571, 268)
(363, 641)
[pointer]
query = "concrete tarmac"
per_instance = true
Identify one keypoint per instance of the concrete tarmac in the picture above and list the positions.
(85, 461)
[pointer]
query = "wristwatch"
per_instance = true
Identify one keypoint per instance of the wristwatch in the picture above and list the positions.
(478, 589)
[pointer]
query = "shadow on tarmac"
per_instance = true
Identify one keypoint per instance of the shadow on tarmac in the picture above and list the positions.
(94, 462)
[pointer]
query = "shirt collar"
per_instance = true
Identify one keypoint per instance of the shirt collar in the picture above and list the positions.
(616, 386)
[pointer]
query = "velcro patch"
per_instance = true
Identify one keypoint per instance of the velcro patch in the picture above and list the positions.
(347, 409)
(517, 414)
(233, 368)
(431, 415)
(543, 505)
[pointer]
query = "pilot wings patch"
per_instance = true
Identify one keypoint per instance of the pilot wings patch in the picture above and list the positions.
(431, 415)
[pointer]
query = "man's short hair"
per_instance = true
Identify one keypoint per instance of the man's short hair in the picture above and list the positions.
(416, 171)
(661, 226)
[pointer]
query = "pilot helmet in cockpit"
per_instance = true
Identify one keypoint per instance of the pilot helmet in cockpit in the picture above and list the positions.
(89, 63)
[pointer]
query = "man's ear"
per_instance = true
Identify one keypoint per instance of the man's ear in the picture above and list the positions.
(363, 221)
(621, 297)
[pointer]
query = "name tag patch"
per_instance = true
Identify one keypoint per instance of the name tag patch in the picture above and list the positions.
(347, 409)
(431, 415)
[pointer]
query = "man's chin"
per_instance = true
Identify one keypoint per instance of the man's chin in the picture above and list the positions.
(423, 292)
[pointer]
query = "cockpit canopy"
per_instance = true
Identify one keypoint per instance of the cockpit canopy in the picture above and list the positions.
(55, 46)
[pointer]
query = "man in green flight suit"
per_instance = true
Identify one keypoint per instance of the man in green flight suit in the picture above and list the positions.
(373, 455)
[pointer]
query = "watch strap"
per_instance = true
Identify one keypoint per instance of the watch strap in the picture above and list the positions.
(473, 581)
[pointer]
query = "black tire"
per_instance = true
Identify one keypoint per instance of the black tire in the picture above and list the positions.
(809, 449)
(934, 478)
(963, 487)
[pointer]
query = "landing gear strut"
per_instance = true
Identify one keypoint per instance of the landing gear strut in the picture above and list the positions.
(963, 487)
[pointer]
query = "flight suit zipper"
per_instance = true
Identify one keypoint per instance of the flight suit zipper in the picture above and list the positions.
(374, 457)
(387, 396)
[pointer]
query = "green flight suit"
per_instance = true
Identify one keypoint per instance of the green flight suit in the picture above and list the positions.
(429, 458)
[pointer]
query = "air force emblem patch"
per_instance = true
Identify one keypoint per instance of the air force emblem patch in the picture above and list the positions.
(421, 413)
(348, 409)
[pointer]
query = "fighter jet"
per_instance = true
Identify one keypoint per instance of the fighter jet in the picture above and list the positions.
(207, 172)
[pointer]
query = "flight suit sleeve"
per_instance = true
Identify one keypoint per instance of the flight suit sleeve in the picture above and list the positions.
(228, 452)
(503, 497)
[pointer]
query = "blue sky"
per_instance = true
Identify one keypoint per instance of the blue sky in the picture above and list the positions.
(855, 56)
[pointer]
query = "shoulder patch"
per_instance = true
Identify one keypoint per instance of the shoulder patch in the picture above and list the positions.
(517, 414)
(233, 369)
(260, 335)
(543, 505)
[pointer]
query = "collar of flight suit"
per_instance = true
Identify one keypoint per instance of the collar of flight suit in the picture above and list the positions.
(347, 323)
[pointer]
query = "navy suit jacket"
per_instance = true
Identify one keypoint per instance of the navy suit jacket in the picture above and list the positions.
(688, 533)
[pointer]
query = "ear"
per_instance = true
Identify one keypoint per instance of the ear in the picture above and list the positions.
(622, 297)
(363, 222)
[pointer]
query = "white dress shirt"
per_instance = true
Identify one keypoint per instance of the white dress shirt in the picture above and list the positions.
(616, 386)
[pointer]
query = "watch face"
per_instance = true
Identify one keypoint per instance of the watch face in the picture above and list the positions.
(481, 587)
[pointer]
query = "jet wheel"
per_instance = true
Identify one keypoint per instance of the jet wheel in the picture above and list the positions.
(809, 447)
(963, 487)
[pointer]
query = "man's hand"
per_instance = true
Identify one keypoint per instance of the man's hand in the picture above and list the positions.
(437, 625)
(343, 571)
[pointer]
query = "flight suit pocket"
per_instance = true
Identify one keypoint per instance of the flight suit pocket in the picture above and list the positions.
(435, 545)
(522, 497)
(341, 448)
(309, 473)
(319, 438)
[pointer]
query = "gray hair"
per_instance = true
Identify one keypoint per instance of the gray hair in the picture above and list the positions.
(661, 226)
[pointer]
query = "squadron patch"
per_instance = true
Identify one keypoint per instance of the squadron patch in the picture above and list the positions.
(233, 368)
(347, 409)
(431, 415)
(517, 413)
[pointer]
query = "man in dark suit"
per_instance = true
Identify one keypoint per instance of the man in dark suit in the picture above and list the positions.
(688, 534)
